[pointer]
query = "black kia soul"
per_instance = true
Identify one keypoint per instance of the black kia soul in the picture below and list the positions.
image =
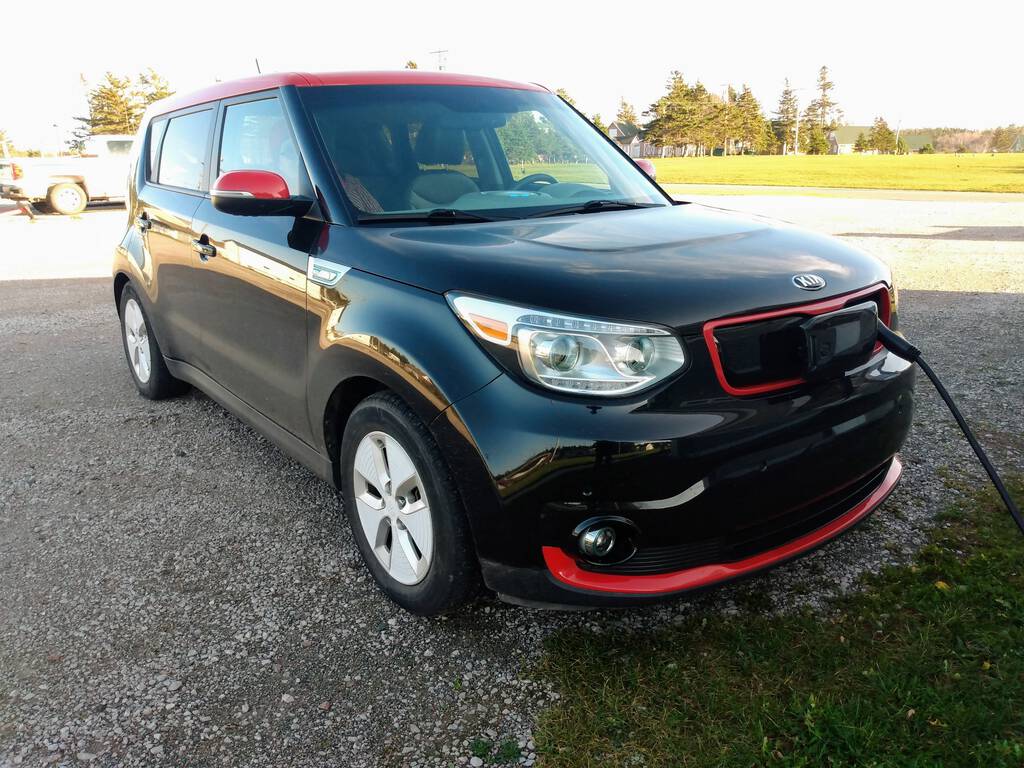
(518, 359)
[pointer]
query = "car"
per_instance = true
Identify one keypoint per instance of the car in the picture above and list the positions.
(523, 365)
(66, 185)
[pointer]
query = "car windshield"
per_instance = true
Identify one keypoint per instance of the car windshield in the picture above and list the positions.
(435, 153)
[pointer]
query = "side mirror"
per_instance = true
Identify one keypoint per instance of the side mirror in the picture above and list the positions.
(647, 167)
(256, 193)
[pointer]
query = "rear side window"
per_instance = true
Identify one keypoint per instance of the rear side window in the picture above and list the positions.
(256, 137)
(183, 155)
(156, 135)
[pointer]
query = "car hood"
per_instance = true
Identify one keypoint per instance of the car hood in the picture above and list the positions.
(674, 266)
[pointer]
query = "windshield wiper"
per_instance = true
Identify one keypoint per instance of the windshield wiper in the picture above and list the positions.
(433, 216)
(593, 206)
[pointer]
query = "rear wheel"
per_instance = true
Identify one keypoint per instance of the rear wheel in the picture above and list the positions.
(67, 198)
(404, 510)
(145, 360)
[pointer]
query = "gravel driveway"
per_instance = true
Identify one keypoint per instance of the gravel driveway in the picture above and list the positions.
(174, 590)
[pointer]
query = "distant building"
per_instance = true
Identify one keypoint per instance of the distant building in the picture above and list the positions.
(842, 140)
(628, 136)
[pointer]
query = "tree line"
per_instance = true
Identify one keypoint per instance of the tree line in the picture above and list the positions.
(117, 103)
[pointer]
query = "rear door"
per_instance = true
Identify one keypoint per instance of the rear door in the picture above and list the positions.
(250, 293)
(177, 153)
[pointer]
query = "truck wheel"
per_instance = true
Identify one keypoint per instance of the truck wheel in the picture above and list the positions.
(67, 198)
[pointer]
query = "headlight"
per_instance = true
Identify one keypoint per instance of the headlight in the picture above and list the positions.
(573, 354)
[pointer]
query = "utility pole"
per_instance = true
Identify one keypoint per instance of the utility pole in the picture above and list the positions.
(440, 58)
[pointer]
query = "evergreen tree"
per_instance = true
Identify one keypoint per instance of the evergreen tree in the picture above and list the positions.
(626, 113)
(112, 107)
(813, 135)
(823, 109)
(861, 143)
(596, 120)
(410, 64)
(672, 115)
(786, 116)
(564, 96)
(116, 105)
(750, 126)
(882, 137)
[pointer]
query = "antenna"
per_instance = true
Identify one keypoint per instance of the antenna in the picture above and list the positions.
(441, 56)
(258, 70)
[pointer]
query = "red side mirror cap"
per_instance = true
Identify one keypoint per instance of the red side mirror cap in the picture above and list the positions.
(646, 166)
(256, 193)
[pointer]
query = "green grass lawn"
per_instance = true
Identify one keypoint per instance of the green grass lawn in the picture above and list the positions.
(962, 173)
(924, 668)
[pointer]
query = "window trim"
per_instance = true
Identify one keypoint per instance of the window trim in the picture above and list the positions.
(305, 186)
(204, 190)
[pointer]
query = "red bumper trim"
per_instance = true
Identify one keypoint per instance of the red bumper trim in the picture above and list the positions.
(564, 569)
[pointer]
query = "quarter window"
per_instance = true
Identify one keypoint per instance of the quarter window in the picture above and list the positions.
(256, 137)
(156, 134)
(183, 156)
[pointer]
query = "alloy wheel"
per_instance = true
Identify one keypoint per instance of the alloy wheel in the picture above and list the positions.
(137, 337)
(393, 508)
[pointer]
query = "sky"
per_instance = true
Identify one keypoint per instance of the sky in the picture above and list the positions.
(914, 64)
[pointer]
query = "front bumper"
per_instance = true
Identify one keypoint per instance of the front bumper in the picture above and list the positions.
(718, 486)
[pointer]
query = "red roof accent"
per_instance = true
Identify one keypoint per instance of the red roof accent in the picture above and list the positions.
(565, 570)
(307, 79)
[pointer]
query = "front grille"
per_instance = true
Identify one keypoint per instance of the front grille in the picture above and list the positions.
(746, 537)
(760, 355)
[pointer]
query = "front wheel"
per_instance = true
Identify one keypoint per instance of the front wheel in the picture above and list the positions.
(67, 198)
(145, 360)
(404, 510)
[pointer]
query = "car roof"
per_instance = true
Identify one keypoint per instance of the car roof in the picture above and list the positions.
(241, 87)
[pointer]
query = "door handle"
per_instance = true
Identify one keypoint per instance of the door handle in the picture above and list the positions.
(143, 223)
(205, 250)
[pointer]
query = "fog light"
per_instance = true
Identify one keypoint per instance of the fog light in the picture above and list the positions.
(597, 541)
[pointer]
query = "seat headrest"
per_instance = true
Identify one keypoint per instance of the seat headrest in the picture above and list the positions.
(440, 145)
(362, 150)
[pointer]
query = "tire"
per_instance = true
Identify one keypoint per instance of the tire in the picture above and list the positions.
(145, 360)
(67, 198)
(42, 206)
(420, 552)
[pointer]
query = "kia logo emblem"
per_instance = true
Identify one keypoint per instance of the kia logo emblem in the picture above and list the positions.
(809, 282)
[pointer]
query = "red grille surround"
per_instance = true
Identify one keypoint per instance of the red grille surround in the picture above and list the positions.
(879, 290)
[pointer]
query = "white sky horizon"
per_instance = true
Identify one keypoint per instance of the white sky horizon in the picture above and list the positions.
(956, 71)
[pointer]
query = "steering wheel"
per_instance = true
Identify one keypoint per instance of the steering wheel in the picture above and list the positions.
(534, 179)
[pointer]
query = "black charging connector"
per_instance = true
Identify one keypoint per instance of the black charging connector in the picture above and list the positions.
(903, 348)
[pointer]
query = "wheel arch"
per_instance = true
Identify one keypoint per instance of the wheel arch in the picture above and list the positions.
(340, 404)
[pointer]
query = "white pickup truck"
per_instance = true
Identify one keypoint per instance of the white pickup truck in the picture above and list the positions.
(67, 184)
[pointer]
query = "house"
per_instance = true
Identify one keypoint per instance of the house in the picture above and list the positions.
(842, 140)
(627, 135)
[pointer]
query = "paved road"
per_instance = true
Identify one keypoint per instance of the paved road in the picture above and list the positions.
(174, 590)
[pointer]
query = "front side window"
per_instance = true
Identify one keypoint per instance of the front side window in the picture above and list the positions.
(256, 137)
(485, 152)
(183, 152)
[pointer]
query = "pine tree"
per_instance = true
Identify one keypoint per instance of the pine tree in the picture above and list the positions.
(596, 120)
(626, 113)
(410, 64)
(823, 109)
(564, 96)
(112, 107)
(116, 105)
(672, 115)
(861, 143)
(786, 116)
(751, 127)
(882, 137)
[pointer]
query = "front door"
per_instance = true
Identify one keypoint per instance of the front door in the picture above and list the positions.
(250, 287)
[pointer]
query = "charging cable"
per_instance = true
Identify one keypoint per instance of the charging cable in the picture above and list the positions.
(903, 348)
